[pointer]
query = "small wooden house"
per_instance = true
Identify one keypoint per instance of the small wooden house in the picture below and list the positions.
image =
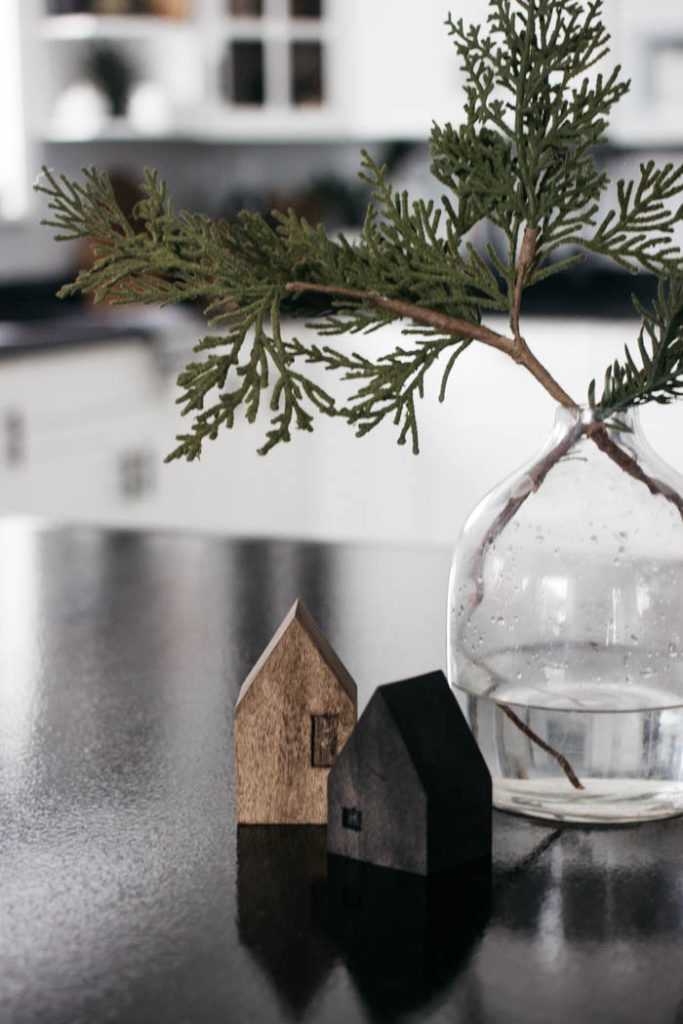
(294, 712)
(411, 789)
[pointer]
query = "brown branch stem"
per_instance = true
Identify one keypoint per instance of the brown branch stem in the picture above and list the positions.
(516, 348)
(529, 361)
(526, 258)
(536, 475)
(600, 436)
(419, 314)
(535, 738)
(523, 353)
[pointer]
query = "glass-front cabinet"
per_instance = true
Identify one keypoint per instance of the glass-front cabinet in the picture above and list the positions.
(189, 68)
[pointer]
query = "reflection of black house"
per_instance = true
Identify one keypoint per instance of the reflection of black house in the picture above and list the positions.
(411, 790)
(404, 937)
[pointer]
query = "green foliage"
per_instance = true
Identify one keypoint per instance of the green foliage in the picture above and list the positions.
(658, 375)
(389, 386)
(523, 162)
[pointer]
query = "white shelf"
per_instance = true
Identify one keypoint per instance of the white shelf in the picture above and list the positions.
(85, 27)
(222, 125)
(112, 131)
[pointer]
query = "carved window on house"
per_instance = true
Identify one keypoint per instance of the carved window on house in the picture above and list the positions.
(352, 817)
(324, 740)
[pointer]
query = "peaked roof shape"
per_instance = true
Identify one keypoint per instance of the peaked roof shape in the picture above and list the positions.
(300, 612)
(433, 730)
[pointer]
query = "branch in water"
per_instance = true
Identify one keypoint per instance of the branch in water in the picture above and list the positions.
(535, 738)
(537, 474)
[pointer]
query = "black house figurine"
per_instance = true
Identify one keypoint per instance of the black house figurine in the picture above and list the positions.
(410, 790)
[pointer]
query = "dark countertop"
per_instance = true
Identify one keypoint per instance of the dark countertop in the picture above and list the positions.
(126, 892)
(71, 329)
(33, 319)
(67, 331)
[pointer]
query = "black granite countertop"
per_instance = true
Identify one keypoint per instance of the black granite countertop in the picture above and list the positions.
(33, 319)
(67, 331)
(128, 893)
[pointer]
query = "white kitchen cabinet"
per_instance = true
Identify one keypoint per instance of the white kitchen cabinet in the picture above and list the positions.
(226, 69)
(254, 70)
(79, 430)
(297, 70)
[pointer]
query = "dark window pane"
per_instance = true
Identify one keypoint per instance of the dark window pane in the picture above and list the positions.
(245, 77)
(246, 8)
(306, 70)
(305, 8)
(324, 740)
(352, 817)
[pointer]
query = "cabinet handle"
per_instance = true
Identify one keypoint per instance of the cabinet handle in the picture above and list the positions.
(14, 437)
(136, 474)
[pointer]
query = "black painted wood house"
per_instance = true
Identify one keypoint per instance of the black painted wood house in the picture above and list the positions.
(410, 790)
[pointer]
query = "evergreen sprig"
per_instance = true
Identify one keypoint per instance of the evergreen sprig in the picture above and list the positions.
(523, 162)
(657, 374)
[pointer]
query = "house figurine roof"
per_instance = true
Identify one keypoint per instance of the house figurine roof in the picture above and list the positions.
(294, 712)
(411, 789)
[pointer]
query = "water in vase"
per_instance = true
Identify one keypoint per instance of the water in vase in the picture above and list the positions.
(605, 712)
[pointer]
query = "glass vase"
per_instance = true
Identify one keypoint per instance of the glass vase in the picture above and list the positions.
(565, 627)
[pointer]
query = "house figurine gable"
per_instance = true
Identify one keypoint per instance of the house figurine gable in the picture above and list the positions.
(411, 789)
(294, 712)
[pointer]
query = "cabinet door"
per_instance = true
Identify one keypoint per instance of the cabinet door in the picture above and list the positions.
(109, 472)
(79, 431)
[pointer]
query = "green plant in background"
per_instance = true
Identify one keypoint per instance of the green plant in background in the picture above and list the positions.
(523, 160)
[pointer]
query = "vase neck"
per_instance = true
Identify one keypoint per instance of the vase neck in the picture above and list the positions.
(571, 417)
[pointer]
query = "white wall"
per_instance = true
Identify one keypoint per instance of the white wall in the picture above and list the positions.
(332, 485)
(325, 485)
(401, 67)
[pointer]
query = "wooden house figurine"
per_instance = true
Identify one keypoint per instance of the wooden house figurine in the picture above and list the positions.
(411, 789)
(294, 712)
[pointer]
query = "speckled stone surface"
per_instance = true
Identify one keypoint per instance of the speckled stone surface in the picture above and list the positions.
(127, 893)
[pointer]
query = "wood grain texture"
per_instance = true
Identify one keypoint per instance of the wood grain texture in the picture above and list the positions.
(294, 713)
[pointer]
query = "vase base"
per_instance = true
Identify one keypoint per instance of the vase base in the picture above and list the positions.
(600, 802)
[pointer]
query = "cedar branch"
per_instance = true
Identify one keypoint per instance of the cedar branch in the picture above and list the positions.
(526, 258)
(419, 314)
(516, 348)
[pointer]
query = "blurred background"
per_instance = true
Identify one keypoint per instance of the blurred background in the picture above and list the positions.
(263, 104)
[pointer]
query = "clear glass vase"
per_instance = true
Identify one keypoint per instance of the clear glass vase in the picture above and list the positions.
(565, 628)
